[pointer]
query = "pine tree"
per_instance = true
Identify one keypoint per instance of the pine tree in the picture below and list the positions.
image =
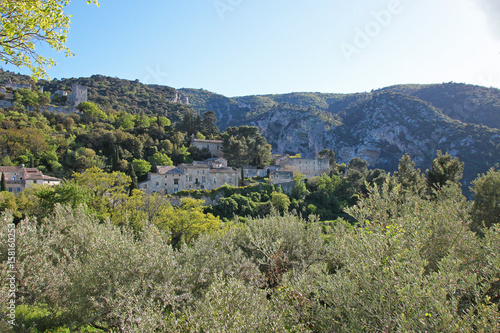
(444, 169)
(134, 184)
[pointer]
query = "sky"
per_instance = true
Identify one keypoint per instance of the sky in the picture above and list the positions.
(247, 47)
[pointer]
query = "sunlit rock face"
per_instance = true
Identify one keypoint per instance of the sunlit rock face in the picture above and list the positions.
(379, 126)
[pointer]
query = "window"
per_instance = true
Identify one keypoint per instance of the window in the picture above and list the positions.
(215, 180)
(202, 179)
(157, 183)
(176, 181)
(202, 186)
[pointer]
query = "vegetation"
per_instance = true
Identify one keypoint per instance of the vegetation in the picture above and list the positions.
(25, 23)
(411, 262)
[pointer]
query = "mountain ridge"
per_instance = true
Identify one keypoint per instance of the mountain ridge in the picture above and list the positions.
(379, 126)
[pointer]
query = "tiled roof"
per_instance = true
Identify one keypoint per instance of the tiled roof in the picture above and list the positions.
(207, 141)
(195, 166)
(169, 170)
(42, 177)
(222, 170)
(10, 169)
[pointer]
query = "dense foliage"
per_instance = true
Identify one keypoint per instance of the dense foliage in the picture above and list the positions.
(411, 263)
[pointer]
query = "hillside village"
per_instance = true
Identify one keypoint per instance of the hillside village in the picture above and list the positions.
(214, 172)
(208, 174)
(128, 207)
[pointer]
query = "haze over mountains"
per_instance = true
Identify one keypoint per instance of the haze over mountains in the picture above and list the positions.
(379, 126)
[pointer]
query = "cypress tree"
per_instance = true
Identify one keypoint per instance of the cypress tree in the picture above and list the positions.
(115, 162)
(3, 184)
(134, 184)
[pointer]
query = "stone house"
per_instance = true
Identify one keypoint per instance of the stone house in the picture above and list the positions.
(19, 178)
(214, 146)
(199, 175)
(280, 177)
(167, 179)
(308, 167)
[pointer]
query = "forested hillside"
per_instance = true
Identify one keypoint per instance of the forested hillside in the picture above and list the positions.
(379, 126)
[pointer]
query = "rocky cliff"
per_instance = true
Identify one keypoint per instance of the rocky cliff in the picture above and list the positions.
(379, 126)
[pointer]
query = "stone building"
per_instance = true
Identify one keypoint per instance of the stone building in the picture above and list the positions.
(167, 179)
(199, 175)
(78, 95)
(280, 177)
(308, 167)
(19, 178)
(214, 146)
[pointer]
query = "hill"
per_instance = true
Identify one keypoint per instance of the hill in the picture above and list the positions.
(379, 126)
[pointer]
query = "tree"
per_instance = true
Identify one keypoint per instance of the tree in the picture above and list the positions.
(280, 201)
(444, 169)
(190, 122)
(160, 159)
(141, 167)
(91, 111)
(209, 124)
(133, 179)
(26, 23)
(486, 207)
(3, 184)
(330, 155)
(408, 176)
(26, 97)
(244, 145)
(187, 221)
(106, 190)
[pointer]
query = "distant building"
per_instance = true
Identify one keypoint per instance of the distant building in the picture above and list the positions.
(15, 86)
(199, 175)
(214, 146)
(78, 95)
(280, 177)
(308, 167)
(19, 178)
(61, 93)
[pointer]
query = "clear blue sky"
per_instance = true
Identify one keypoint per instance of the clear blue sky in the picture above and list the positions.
(243, 47)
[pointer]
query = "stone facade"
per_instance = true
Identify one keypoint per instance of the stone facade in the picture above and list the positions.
(19, 178)
(308, 167)
(78, 95)
(280, 177)
(199, 175)
(15, 86)
(214, 146)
